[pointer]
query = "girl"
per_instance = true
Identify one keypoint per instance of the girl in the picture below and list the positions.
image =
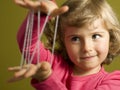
(88, 37)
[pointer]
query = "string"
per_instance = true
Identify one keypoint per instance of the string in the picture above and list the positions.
(30, 36)
(54, 38)
(40, 35)
(24, 43)
(27, 39)
(38, 43)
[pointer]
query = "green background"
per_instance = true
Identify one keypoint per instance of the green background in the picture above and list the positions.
(11, 16)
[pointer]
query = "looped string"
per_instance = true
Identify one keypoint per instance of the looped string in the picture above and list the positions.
(28, 39)
(38, 44)
(54, 39)
(40, 35)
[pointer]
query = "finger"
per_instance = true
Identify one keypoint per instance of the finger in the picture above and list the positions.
(20, 72)
(47, 6)
(27, 3)
(32, 4)
(17, 68)
(14, 69)
(44, 69)
(15, 79)
(31, 71)
(42, 75)
(20, 3)
(45, 66)
(60, 11)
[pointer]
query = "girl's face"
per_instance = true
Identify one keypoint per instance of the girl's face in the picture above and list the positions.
(87, 47)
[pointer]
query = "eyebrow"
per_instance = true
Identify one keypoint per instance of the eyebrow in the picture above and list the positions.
(93, 32)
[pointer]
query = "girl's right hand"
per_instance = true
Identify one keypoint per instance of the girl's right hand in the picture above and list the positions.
(43, 5)
(40, 71)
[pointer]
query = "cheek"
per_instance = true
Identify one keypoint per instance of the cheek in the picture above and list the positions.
(73, 52)
(103, 48)
(70, 49)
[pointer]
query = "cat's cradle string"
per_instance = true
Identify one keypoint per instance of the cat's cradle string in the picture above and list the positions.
(26, 57)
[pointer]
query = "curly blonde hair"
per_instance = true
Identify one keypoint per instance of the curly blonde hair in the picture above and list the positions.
(82, 12)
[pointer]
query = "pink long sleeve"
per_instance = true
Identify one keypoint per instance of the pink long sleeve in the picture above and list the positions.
(20, 39)
(45, 55)
(110, 82)
(62, 78)
(49, 84)
(99, 81)
(21, 31)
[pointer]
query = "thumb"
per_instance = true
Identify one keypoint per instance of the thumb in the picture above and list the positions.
(59, 11)
(44, 71)
(44, 66)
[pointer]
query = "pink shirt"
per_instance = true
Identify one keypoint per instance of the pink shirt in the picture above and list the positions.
(62, 77)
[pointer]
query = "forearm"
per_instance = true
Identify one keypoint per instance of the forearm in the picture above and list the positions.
(21, 31)
(52, 83)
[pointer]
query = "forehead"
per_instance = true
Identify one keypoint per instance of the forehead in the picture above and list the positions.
(96, 24)
(99, 23)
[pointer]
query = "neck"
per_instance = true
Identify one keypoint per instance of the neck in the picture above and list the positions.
(84, 72)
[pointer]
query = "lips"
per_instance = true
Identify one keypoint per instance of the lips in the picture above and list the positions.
(87, 58)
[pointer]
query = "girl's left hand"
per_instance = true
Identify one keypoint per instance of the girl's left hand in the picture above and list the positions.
(42, 5)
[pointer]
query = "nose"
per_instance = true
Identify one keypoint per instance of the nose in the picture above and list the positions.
(87, 46)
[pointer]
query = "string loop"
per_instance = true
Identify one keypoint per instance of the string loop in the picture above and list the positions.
(28, 39)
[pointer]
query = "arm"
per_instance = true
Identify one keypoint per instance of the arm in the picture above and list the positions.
(21, 31)
(21, 34)
(110, 82)
(45, 7)
(52, 83)
(33, 69)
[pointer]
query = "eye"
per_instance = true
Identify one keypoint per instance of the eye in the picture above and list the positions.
(75, 39)
(96, 36)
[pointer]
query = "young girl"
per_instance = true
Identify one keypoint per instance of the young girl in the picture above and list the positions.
(88, 37)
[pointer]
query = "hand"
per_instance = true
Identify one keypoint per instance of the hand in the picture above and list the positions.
(40, 71)
(44, 5)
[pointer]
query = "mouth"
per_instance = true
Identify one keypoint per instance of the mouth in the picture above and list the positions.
(87, 57)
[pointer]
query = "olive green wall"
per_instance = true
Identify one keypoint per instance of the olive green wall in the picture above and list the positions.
(11, 17)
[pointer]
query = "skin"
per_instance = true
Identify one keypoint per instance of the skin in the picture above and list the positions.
(87, 47)
(40, 71)
(44, 6)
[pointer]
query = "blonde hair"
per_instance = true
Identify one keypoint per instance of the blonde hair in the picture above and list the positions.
(82, 12)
